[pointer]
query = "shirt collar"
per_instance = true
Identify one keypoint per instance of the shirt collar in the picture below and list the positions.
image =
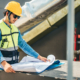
(7, 25)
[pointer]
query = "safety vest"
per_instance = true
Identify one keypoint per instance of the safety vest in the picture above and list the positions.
(9, 42)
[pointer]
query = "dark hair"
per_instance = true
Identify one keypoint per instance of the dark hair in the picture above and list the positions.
(6, 11)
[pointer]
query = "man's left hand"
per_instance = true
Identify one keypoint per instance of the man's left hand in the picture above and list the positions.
(42, 58)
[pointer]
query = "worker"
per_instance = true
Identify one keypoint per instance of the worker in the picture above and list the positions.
(10, 38)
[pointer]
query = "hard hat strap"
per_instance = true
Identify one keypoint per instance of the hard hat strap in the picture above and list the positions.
(9, 16)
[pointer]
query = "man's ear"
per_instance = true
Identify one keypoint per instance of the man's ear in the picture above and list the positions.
(7, 13)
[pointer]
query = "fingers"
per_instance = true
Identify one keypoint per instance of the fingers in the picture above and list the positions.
(13, 71)
(48, 60)
(44, 59)
(10, 70)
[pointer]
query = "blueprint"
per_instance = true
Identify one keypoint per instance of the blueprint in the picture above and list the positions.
(31, 64)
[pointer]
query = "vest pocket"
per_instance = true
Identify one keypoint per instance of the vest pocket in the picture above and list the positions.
(4, 43)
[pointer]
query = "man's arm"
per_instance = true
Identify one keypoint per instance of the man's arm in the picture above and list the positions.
(25, 47)
(1, 57)
(7, 67)
(28, 50)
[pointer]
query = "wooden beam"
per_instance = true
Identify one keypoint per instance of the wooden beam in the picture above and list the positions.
(47, 23)
(61, 13)
(26, 23)
(36, 31)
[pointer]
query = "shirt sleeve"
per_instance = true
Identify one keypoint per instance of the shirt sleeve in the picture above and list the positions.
(1, 57)
(25, 47)
(0, 35)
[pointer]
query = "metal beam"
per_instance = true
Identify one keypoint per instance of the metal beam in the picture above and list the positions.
(70, 38)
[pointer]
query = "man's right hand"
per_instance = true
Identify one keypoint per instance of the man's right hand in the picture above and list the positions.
(7, 67)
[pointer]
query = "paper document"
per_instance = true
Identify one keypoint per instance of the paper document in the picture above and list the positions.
(31, 64)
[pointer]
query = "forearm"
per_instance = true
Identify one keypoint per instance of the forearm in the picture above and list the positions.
(26, 48)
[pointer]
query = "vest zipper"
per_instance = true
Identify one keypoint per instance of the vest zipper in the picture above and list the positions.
(14, 46)
(12, 39)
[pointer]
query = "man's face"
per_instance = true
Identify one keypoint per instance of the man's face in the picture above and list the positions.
(13, 18)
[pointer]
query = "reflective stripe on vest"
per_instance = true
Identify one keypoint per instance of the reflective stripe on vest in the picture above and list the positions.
(11, 56)
(10, 59)
(8, 42)
(9, 49)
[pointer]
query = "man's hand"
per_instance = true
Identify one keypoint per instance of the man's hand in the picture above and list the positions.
(7, 67)
(42, 58)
